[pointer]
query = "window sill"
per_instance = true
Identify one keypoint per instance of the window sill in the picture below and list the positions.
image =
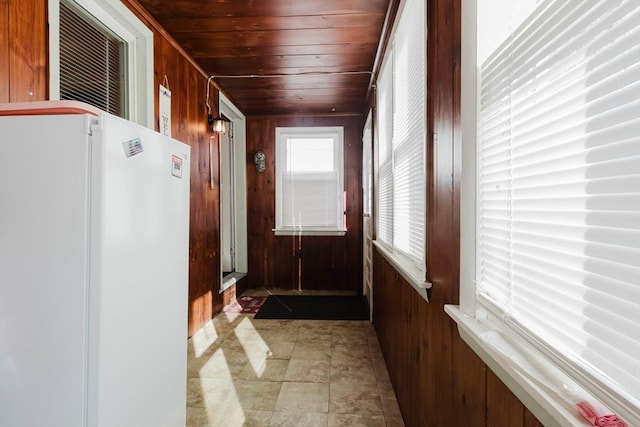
(408, 269)
(308, 232)
(542, 387)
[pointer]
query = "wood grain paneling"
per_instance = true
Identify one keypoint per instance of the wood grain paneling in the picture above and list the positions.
(308, 262)
(503, 407)
(272, 23)
(425, 370)
(27, 50)
(468, 376)
(230, 9)
(4, 51)
(284, 38)
(530, 420)
(189, 124)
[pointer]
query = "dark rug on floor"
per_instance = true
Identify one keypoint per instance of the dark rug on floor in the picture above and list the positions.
(314, 307)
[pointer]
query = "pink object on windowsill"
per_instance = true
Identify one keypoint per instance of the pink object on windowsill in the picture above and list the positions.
(589, 412)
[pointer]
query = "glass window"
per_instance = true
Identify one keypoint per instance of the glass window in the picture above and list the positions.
(93, 66)
(558, 184)
(309, 180)
(100, 53)
(400, 150)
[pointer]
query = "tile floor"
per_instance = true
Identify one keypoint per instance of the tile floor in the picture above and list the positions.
(254, 372)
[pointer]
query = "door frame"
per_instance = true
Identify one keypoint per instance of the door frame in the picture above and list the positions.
(230, 111)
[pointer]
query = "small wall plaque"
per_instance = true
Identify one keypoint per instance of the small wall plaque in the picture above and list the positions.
(260, 161)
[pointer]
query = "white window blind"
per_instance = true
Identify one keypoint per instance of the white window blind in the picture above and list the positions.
(92, 62)
(401, 123)
(558, 188)
(384, 110)
(309, 182)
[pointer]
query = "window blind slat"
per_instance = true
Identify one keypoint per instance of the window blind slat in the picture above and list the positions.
(558, 236)
(91, 62)
(401, 124)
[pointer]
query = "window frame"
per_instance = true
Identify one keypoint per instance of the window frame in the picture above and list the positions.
(337, 134)
(139, 57)
(413, 271)
(489, 336)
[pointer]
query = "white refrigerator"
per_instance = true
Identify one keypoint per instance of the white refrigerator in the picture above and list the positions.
(94, 248)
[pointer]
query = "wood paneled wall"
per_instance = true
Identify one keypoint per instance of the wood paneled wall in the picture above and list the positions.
(309, 262)
(188, 85)
(24, 77)
(438, 379)
(23, 51)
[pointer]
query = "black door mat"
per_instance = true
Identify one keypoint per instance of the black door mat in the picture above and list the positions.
(314, 307)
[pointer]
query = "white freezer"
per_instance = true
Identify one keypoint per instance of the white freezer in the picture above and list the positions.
(93, 273)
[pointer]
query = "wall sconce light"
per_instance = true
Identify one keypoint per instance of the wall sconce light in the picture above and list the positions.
(260, 160)
(217, 124)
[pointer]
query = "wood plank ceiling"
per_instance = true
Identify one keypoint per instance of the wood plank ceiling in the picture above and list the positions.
(315, 56)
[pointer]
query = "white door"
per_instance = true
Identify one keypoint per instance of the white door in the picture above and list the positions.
(367, 224)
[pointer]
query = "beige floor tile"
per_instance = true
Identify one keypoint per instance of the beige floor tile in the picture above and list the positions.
(313, 371)
(348, 354)
(312, 351)
(362, 373)
(394, 420)
(303, 397)
(204, 391)
(349, 337)
(314, 324)
(318, 339)
(257, 395)
(276, 325)
(351, 328)
(254, 418)
(280, 350)
(360, 399)
(272, 337)
(239, 417)
(269, 370)
(228, 416)
(380, 371)
(375, 350)
(306, 334)
(353, 324)
(257, 348)
(248, 334)
(389, 403)
(222, 364)
(197, 417)
(353, 420)
(258, 372)
(254, 351)
(298, 419)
